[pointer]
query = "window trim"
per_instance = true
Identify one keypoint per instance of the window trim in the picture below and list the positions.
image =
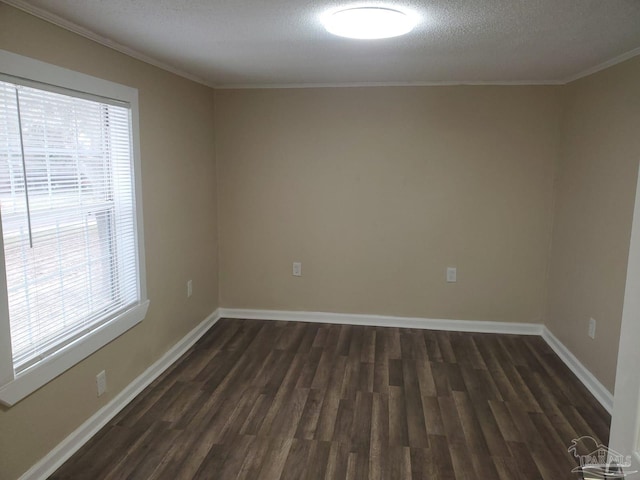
(14, 388)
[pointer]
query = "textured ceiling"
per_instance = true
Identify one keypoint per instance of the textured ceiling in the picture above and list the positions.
(258, 42)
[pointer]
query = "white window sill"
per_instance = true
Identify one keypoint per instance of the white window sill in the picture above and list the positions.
(43, 372)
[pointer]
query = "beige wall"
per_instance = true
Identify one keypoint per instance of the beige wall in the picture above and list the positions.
(595, 191)
(377, 190)
(179, 196)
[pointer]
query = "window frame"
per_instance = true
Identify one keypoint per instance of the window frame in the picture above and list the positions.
(14, 388)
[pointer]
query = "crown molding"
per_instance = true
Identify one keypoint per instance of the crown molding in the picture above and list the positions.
(452, 83)
(85, 32)
(597, 68)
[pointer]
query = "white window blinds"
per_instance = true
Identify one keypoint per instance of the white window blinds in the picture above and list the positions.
(68, 217)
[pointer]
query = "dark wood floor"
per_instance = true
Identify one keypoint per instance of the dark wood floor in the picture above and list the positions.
(274, 400)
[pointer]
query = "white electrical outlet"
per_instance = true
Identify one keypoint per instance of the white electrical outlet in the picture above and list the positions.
(452, 274)
(189, 288)
(592, 327)
(101, 382)
(297, 269)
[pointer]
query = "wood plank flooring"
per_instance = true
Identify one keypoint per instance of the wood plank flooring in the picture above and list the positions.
(276, 400)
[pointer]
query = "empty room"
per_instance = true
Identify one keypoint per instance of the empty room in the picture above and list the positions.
(319, 240)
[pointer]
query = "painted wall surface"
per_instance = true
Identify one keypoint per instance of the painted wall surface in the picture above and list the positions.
(378, 190)
(179, 198)
(527, 190)
(595, 191)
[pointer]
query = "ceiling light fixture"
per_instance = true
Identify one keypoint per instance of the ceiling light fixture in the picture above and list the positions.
(368, 23)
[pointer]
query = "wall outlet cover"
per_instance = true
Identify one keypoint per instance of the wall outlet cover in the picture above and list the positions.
(297, 269)
(592, 328)
(452, 274)
(101, 382)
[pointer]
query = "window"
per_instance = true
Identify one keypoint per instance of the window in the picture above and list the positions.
(70, 209)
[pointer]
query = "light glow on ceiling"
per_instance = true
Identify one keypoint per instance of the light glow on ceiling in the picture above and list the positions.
(368, 23)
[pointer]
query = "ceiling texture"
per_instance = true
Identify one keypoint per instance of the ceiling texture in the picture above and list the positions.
(263, 43)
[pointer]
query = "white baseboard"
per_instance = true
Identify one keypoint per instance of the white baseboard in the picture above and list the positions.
(386, 321)
(56, 457)
(584, 375)
(596, 388)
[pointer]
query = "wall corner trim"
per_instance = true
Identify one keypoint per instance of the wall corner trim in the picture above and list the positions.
(72, 443)
(597, 389)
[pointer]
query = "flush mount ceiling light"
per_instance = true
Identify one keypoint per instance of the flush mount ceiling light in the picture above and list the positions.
(368, 23)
